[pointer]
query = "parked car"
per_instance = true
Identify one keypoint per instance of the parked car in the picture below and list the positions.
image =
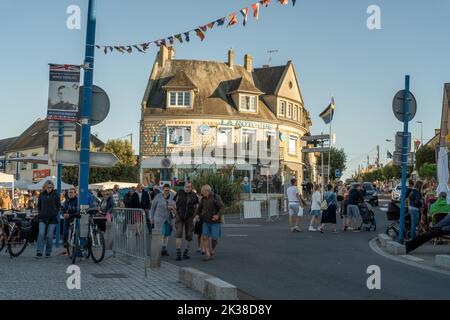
(396, 193)
(370, 194)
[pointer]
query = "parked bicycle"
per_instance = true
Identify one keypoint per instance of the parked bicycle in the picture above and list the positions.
(94, 245)
(15, 232)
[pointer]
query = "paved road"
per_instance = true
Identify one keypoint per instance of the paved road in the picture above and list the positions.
(268, 262)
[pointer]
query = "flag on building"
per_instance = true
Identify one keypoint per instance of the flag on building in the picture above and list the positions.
(328, 113)
(255, 8)
(245, 14)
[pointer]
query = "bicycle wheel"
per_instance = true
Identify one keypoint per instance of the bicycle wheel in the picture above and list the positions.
(70, 241)
(75, 246)
(2, 244)
(16, 245)
(3, 237)
(96, 245)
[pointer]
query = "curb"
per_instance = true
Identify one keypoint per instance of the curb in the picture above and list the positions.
(375, 247)
(209, 286)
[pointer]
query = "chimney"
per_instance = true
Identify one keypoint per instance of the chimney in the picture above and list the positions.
(171, 53)
(163, 55)
(248, 63)
(231, 58)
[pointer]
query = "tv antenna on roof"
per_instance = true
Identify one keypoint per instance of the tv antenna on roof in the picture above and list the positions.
(270, 55)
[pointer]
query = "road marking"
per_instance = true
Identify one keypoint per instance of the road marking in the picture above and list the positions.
(412, 258)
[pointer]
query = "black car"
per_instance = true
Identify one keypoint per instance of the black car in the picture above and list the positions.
(370, 194)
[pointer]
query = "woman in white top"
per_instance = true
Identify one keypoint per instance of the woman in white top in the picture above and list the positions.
(315, 208)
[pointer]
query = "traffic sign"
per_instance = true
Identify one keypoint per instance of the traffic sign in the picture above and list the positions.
(97, 159)
(398, 105)
(100, 104)
(399, 141)
(398, 159)
(337, 173)
(314, 150)
(315, 138)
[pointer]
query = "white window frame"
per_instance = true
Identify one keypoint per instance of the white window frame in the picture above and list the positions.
(295, 112)
(243, 103)
(183, 143)
(178, 95)
(229, 140)
(282, 110)
(253, 145)
(290, 151)
(269, 133)
(289, 110)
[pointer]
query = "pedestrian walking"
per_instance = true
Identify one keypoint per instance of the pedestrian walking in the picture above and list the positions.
(415, 204)
(315, 208)
(128, 197)
(141, 200)
(210, 209)
(116, 196)
(295, 209)
(329, 215)
(355, 198)
(162, 214)
(340, 197)
(49, 205)
(186, 203)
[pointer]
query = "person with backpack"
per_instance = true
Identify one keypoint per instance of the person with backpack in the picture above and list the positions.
(186, 202)
(415, 203)
(210, 210)
(48, 206)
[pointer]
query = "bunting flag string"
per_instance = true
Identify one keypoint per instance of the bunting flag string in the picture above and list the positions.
(199, 31)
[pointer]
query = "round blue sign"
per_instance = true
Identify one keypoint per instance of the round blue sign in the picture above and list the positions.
(282, 136)
(204, 129)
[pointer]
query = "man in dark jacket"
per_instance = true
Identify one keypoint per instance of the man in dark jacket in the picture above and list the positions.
(128, 197)
(210, 209)
(186, 202)
(141, 200)
(48, 206)
(355, 198)
(70, 211)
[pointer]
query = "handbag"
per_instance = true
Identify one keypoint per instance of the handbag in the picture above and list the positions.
(324, 205)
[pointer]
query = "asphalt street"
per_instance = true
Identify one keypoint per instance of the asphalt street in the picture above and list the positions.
(266, 261)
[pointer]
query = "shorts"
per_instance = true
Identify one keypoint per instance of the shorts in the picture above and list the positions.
(212, 230)
(187, 226)
(352, 211)
(166, 229)
(315, 213)
(295, 209)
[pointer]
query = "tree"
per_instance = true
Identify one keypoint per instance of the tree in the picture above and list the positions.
(428, 171)
(125, 170)
(338, 161)
(425, 155)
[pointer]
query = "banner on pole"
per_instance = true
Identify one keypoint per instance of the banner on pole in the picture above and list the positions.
(63, 92)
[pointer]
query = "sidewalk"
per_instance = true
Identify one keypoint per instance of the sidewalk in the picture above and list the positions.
(120, 278)
(423, 257)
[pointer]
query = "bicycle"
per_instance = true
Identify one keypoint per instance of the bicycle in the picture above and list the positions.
(14, 233)
(94, 246)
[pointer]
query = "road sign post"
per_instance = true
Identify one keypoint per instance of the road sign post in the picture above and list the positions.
(86, 111)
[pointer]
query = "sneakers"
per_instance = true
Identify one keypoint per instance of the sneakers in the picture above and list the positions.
(296, 229)
(38, 255)
(47, 255)
(311, 228)
(164, 253)
(186, 255)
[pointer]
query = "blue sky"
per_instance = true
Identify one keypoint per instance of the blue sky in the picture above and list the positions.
(327, 40)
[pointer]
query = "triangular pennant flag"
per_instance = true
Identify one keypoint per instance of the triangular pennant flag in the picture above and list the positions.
(255, 7)
(138, 49)
(119, 49)
(204, 28)
(293, 3)
(170, 40)
(265, 3)
(221, 21)
(129, 49)
(186, 35)
(98, 47)
(211, 24)
(245, 14)
(283, 1)
(233, 19)
(200, 34)
(106, 50)
(145, 46)
(178, 37)
(111, 49)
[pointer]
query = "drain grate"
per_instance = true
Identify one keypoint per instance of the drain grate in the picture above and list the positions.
(109, 275)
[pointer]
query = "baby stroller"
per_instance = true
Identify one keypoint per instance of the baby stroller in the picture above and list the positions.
(393, 214)
(368, 217)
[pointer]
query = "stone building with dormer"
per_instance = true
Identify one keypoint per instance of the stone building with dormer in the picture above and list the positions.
(195, 108)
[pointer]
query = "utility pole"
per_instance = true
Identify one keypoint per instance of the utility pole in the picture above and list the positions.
(368, 162)
(378, 157)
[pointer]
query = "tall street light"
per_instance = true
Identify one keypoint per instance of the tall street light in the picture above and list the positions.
(421, 132)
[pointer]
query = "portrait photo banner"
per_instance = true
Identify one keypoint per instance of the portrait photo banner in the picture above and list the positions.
(63, 92)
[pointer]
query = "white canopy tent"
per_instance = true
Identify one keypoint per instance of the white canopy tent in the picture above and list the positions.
(6, 180)
(40, 184)
(110, 185)
(443, 173)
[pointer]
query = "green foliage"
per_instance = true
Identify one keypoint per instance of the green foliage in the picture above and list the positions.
(425, 155)
(428, 171)
(221, 184)
(125, 171)
(338, 161)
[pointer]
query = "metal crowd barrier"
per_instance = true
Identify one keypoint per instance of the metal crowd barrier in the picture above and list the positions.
(130, 235)
(251, 210)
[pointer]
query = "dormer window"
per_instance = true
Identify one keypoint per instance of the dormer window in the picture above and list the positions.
(282, 108)
(248, 103)
(180, 99)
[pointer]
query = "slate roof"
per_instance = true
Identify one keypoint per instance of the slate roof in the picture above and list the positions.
(5, 143)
